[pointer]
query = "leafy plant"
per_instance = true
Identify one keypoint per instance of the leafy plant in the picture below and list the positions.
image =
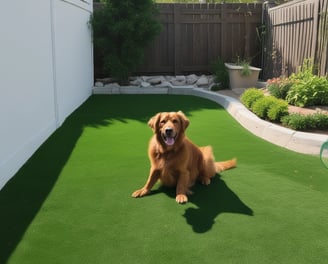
(245, 64)
(121, 30)
(307, 92)
(294, 121)
(307, 89)
(221, 74)
(270, 107)
(306, 122)
(279, 87)
(277, 110)
(250, 96)
(262, 105)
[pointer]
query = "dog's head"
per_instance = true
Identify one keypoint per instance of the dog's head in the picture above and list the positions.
(169, 126)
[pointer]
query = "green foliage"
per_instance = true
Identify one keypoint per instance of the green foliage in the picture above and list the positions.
(306, 122)
(277, 110)
(266, 107)
(121, 31)
(279, 87)
(310, 91)
(221, 74)
(208, 1)
(250, 96)
(271, 108)
(307, 89)
(245, 71)
(294, 121)
(262, 105)
(245, 64)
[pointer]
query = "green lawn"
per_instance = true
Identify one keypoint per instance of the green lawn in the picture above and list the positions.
(71, 202)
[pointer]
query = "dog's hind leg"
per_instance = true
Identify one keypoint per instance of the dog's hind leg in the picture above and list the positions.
(208, 170)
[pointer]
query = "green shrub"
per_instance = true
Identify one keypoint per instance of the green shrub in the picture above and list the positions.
(306, 122)
(262, 105)
(271, 108)
(294, 121)
(121, 31)
(307, 89)
(279, 87)
(307, 92)
(278, 110)
(250, 96)
(319, 121)
(221, 74)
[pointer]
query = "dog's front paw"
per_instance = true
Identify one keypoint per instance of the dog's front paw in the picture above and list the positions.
(206, 181)
(181, 198)
(140, 193)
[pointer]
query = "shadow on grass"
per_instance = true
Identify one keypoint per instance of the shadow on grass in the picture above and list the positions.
(211, 201)
(23, 196)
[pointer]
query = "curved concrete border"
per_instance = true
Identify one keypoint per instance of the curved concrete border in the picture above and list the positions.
(302, 142)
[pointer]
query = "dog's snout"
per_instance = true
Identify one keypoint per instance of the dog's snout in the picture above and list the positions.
(169, 131)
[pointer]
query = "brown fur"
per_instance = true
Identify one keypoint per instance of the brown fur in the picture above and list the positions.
(175, 160)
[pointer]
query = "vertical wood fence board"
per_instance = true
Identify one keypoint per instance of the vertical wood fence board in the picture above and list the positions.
(322, 55)
(296, 32)
(194, 35)
(202, 33)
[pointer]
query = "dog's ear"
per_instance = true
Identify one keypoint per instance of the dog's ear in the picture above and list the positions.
(153, 122)
(184, 120)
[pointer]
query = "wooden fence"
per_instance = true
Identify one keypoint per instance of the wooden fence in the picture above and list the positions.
(194, 35)
(296, 31)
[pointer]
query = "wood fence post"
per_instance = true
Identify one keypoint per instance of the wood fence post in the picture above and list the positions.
(223, 32)
(177, 39)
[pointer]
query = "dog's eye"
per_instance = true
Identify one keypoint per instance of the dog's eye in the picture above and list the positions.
(175, 121)
(163, 121)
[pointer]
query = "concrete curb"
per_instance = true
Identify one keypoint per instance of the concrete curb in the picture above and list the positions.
(302, 142)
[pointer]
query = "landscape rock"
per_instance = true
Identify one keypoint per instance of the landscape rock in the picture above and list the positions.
(136, 82)
(156, 80)
(191, 79)
(168, 81)
(99, 84)
(164, 84)
(180, 78)
(145, 84)
(202, 81)
(112, 85)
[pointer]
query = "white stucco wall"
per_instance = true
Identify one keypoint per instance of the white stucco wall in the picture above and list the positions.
(46, 72)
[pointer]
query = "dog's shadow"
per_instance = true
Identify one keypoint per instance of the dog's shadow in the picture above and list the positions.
(211, 201)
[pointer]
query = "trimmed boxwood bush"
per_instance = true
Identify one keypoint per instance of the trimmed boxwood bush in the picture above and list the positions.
(294, 121)
(262, 105)
(250, 96)
(269, 107)
(278, 110)
(306, 122)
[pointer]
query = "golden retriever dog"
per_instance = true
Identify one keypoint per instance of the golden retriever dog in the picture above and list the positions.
(175, 160)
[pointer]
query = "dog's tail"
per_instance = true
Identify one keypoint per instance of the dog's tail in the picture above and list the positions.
(225, 165)
(213, 167)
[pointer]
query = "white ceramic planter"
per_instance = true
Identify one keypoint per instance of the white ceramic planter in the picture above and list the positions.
(237, 80)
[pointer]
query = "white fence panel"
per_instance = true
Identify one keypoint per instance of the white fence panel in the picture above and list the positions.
(46, 72)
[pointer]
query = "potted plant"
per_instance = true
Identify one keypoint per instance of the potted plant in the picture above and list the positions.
(241, 74)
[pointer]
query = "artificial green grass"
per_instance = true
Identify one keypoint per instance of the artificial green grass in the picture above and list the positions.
(71, 202)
